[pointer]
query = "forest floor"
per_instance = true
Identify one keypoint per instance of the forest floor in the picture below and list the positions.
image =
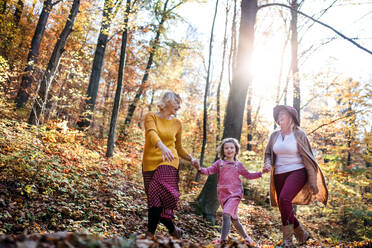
(57, 189)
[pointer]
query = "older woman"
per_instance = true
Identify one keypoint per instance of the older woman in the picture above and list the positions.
(296, 177)
(162, 150)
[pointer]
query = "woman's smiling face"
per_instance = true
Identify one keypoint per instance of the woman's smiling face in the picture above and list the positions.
(284, 120)
(172, 107)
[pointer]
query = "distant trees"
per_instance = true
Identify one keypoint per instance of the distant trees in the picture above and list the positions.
(40, 101)
(207, 200)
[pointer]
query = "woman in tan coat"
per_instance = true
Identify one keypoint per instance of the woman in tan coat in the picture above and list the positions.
(296, 177)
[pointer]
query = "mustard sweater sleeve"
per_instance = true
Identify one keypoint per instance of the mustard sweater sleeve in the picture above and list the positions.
(180, 150)
(151, 129)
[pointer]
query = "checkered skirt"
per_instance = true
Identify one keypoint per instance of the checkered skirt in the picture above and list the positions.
(161, 187)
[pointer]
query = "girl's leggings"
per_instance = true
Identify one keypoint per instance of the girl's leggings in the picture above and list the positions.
(287, 186)
(226, 223)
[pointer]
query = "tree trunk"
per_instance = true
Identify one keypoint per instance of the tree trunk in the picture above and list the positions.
(18, 12)
(241, 80)
(232, 45)
(207, 200)
(52, 104)
(278, 95)
(218, 97)
(117, 100)
(104, 111)
(249, 119)
(38, 107)
(282, 55)
(99, 55)
(285, 90)
(294, 62)
(3, 6)
(207, 86)
(133, 105)
(23, 92)
(152, 99)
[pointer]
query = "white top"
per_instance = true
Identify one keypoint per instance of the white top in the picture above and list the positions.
(287, 156)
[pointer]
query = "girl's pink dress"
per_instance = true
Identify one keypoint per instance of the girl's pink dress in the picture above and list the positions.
(229, 189)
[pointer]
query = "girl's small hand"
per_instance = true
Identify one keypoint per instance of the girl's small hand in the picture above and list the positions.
(195, 162)
(266, 168)
(166, 152)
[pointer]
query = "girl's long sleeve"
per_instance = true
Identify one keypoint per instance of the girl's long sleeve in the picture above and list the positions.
(210, 170)
(245, 173)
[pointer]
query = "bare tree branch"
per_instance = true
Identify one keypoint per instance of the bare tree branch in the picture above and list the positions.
(56, 2)
(315, 96)
(333, 121)
(321, 14)
(319, 22)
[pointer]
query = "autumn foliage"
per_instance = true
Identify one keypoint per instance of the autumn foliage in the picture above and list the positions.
(58, 188)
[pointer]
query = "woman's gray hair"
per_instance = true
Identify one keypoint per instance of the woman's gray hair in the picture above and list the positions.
(168, 97)
(220, 148)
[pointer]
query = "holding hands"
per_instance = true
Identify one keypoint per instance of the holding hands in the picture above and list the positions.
(167, 155)
(195, 162)
(266, 168)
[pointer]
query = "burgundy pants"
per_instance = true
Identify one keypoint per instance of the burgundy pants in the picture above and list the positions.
(287, 186)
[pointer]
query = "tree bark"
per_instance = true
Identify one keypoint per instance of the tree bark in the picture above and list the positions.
(249, 119)
(218, 97)
(117, 100)
(18, 12)
(232, 46)
(207, 86)
(241, 80)
(155, 44)
(3, 6)
(99, 56)
(294, 60)
(38, 107)
(207, 200)
(23, 92)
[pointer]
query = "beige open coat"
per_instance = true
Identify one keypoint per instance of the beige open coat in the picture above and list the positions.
(315, 177)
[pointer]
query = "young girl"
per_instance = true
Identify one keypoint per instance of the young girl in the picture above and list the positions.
(230, 190)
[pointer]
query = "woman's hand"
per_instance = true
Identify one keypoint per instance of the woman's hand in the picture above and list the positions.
(165, 152)
(314, 188)
(195, 162)
(266, 168)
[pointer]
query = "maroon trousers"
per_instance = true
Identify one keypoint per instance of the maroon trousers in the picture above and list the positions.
(287, 186)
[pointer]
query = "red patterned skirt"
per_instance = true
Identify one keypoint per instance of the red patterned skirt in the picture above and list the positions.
(161, 187)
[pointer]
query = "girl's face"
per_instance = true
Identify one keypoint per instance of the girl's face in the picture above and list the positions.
(284, 120)
(172, 107)
(229, 151)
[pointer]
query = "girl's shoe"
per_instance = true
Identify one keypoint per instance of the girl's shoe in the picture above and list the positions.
(149, 235)
(177, 233)
(249, 240)
(217, 241)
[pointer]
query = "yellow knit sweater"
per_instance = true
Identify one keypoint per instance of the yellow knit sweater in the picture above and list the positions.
(170, 133)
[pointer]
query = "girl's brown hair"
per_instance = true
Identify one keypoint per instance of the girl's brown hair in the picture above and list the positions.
(220, 148)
